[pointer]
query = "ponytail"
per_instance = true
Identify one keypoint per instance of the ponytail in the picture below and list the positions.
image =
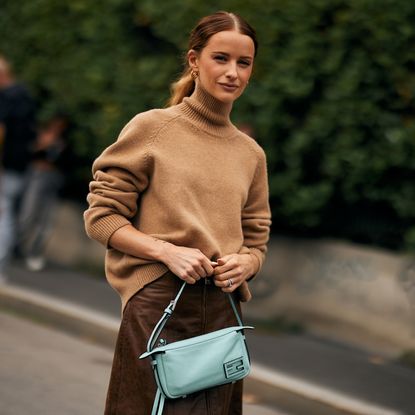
(182, 88)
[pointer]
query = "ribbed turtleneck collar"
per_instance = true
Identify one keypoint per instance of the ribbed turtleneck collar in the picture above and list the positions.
(207, 112)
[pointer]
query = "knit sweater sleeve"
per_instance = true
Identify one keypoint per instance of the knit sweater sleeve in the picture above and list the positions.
(256, 215)
(120, 174)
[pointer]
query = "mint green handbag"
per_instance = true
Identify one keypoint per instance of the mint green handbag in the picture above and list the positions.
(197, 363)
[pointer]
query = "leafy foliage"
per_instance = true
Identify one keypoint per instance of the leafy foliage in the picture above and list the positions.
(331, 101)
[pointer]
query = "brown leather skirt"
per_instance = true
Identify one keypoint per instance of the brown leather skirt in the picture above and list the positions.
(202, 308)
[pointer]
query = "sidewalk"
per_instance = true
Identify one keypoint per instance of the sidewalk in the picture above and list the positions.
(298, 374)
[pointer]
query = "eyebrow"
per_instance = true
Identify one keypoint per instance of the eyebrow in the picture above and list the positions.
(227, 54)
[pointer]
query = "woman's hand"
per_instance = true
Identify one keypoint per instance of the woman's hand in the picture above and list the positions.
(189, 264)
(232, 270)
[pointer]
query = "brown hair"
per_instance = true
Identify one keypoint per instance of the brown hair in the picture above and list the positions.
(199, 36)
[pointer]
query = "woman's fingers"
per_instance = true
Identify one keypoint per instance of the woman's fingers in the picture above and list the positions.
(208, 267)
(189, 264)
(202, 267)
(223, 280)
(225, 264)
(229, 285)
(189, 274)
(231, 272)
(228, 281)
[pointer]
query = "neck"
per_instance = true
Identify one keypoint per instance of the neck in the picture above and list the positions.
(207, 112)
(218, 110)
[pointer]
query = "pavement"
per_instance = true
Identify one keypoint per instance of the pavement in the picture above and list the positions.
(48, 372)
(291, 374)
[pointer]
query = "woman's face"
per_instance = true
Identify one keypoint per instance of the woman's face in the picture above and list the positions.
(225, 64)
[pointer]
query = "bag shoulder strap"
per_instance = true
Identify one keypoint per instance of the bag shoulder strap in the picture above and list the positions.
(168, 311)
(158, 404)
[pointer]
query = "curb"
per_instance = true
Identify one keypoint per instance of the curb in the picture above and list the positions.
(314, 396)
(69, 317)
(293, 394)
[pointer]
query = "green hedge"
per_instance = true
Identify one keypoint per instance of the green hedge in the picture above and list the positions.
(331, 101)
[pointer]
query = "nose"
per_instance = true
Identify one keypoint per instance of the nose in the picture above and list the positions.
(231, 71)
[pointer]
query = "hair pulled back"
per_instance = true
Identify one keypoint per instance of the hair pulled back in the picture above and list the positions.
(199, 37)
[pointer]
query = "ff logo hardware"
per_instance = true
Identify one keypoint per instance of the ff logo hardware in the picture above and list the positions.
(233, 367)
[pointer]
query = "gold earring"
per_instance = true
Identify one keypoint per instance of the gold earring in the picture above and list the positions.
(194, 73)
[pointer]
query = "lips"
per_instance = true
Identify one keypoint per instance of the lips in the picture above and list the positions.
(228, 87)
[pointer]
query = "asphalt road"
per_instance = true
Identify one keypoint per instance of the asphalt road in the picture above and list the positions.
(46, 372)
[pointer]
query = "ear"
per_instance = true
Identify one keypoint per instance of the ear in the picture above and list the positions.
(193, 59)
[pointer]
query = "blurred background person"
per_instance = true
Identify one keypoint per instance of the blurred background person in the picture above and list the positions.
(17, 132)
(44, 179)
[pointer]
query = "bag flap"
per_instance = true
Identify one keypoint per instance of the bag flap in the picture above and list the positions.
(194, 340)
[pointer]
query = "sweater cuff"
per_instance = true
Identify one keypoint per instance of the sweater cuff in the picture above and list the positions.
(259, 257)
(104, 228)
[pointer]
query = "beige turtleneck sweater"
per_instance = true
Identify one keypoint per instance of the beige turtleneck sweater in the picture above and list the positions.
(186, 175)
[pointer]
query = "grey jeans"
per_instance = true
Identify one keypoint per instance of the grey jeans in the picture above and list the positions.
(11, 185)
(38, 206)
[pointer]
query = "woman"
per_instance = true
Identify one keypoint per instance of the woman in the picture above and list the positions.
(182, 196)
